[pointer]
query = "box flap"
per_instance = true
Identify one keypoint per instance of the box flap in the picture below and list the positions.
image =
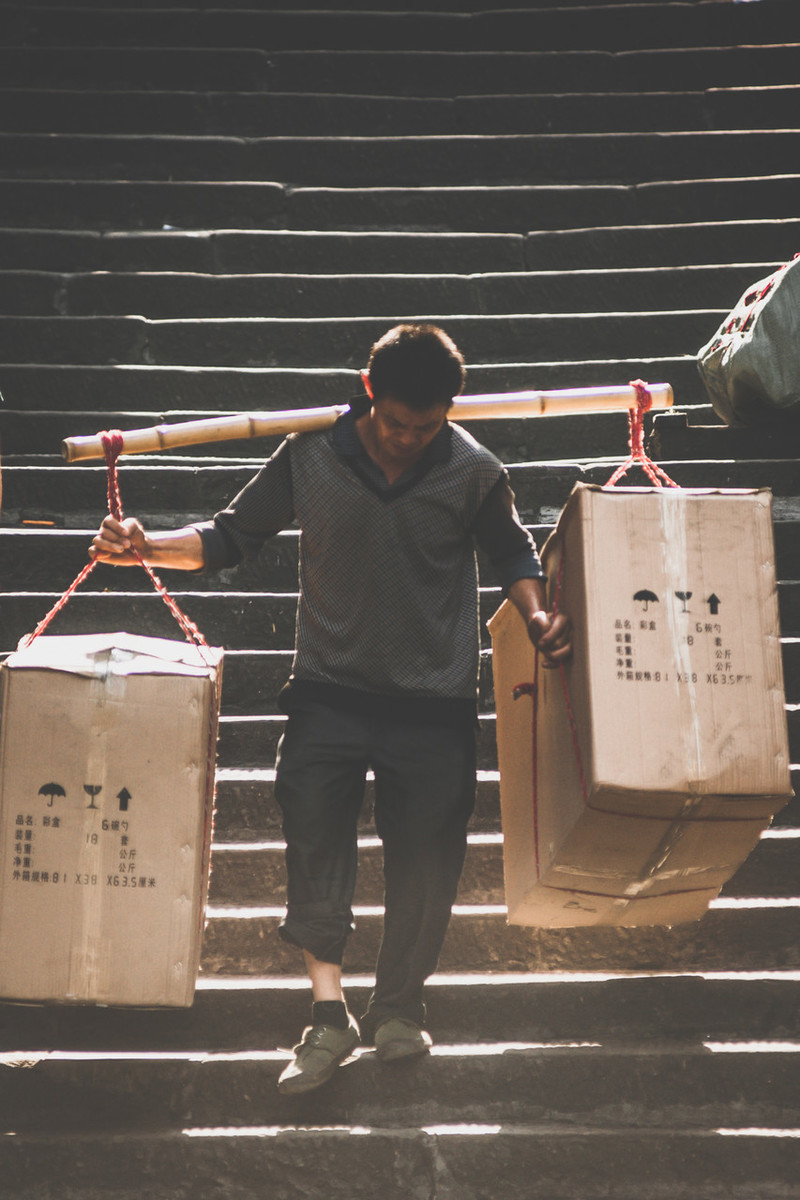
(102, 654)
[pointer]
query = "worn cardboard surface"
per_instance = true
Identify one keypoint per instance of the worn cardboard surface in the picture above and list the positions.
(107, 755)
(676, 690)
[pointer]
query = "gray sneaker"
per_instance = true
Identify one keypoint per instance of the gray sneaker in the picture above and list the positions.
(321, 1050)
(398, 1038)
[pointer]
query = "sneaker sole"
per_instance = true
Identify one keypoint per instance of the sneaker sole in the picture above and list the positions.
(401, 1051)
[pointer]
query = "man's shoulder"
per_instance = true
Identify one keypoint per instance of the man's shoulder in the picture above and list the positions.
(468, 448)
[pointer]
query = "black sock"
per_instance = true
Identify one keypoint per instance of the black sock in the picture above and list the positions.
(330, 1012)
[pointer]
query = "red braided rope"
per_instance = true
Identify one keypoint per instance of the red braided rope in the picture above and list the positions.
(112, 445)
(638, 454)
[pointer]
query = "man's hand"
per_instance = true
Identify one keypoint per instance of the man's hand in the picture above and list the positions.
(116, 541)
(552, 637)
(550, 634)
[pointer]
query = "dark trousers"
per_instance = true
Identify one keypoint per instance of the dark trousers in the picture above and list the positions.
(424, 796)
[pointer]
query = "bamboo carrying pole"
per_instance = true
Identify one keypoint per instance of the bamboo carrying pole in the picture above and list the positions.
(465, 408)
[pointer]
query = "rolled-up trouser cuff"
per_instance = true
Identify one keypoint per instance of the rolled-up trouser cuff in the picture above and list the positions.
(325, 944)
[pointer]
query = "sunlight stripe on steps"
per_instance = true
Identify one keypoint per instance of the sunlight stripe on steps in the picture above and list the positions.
(481, 1130)
(265, 912)
(473, 839)
(364, 843)
(222, 983)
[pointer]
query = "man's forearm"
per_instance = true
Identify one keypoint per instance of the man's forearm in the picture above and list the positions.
(178, 550)
(528, 596)
(123, 543)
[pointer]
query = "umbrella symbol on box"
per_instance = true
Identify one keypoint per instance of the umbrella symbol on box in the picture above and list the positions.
(52, 790)
(646, 597)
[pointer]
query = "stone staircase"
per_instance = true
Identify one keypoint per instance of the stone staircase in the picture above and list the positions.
(208, 208)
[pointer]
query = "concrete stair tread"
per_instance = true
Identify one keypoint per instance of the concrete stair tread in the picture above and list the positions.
(616, 248)
(501, 208)
(159, 294)
(624, 158)
(644, 26)
(245, 807)
(341, 112)
(228, 251)
(251, 1012)
(253, 875)
(742, 934)
(546, 1163)
(435, 72)
(684, 1086)
(638, 246)
(326, 341)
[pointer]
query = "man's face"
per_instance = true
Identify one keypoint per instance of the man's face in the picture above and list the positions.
(402, 434)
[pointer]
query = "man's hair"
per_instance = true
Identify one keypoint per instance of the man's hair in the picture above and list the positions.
(420, 365)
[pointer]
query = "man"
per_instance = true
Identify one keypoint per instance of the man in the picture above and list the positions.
(389, 502)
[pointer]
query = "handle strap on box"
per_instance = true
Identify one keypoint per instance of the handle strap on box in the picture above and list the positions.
(112, 445)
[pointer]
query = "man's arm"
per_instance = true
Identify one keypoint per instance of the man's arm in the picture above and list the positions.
(261, 509)
(512, 551)
(179, 549)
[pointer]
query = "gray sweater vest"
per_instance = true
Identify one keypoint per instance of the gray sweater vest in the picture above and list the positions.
(388, 588)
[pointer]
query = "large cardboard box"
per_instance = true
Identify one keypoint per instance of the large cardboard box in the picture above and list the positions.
(677, 756)
(107, 755)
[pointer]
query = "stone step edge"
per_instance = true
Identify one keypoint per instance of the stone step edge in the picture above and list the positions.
(689, 1048)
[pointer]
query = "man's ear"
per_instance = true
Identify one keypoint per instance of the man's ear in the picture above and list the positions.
(367, 384)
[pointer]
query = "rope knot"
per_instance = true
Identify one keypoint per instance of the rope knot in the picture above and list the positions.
(638, 454)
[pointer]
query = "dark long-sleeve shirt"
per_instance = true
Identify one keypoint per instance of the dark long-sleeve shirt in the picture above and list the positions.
(388, 595)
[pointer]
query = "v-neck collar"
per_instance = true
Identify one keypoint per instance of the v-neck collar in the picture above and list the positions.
(351, 449)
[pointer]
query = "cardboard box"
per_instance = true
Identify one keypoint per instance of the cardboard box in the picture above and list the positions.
(676, 690)
(107, 755)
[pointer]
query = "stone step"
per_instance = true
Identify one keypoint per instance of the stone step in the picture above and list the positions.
(77, 388)
(737, 194)
(638, 246)
(201, 204)
(293, 113)
(252, 741)
(553, 28)
(246, 808)
(230, 251)
(254, 875)
(395, 71)
(681, 1086)
(754, 935)
(345, 341)
(251, 1013)
(505, 159)
(207, 486)
(685, 435)
(188, 295)
(539, 1162)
